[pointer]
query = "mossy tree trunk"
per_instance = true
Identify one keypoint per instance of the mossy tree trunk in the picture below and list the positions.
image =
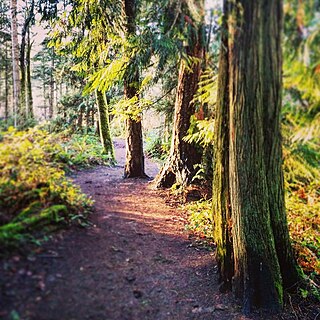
(24, 59)
(249, 210)
(134, 167)
(179, 167)
(104, 126)
(271, 55)
(221, 186)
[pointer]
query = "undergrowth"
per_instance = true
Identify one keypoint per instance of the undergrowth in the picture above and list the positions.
(35, 193)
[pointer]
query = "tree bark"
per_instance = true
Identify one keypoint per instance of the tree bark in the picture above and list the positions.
(134, 166)
(6, 106)
(104, 127)
(249, 209)
(51, 86)
(221, 186)
(15, 63)
(179, 167)
(272, 101)
(25, 63)
(30, 112)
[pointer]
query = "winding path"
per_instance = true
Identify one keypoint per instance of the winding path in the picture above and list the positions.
(136, 261)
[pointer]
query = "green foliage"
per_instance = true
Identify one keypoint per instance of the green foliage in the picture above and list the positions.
(207, 88)
(34, 190)
(156, 148)
(82, 150)
(200, 219)
(73, 109)
(303, 214)
(201, 132)
(131, 108)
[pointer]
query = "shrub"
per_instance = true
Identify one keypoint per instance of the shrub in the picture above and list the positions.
(34, 189)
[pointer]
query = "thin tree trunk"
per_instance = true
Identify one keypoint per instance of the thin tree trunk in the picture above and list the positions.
(104, 126)
(24, 63)
(23, 74)
(51, 86)
(6, 106)
(44, 92)
(0, 84)
(80, 119)
(87, 116)
(134, 166)
(15, 63)
(29, 84)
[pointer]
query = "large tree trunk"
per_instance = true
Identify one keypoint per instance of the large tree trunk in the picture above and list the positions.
(179, 167)
(15, 63)
(221, 186)
(249, 209)
(272, 101)
(104, 127)
(134, 166)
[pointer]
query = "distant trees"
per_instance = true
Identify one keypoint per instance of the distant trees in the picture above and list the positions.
(17, 109)
(5, 60)
(25, 63)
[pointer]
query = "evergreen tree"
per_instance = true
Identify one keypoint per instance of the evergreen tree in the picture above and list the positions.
(180, 166)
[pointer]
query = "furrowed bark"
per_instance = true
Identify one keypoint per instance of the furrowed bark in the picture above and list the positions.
(221, 186)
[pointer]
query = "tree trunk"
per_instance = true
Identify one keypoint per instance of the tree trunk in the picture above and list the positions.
(29, 85)
(51, 87)
(272, 101)
(23, 75)
(134, 166)
(104, 127)
(179, 167)
(249, 208)
(88, 106)
(15, 63)
(6, 106)
(221, 186)
(24, 63)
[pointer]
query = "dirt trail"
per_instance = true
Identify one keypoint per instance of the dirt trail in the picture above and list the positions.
(136, 262)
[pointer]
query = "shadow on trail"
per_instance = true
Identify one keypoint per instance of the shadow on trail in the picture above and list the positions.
(134, 262)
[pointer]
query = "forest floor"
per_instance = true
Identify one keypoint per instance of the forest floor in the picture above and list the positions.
(135, 261)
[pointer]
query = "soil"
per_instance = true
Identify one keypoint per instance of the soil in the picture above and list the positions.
(134, 262)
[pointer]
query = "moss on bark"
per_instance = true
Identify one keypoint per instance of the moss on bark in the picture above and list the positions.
(104, 126)
(248, 152)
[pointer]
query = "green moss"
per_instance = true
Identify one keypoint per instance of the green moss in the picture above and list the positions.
(279, 288)
(34, 189)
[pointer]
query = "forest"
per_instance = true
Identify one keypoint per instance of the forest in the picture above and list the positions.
(159, 159)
